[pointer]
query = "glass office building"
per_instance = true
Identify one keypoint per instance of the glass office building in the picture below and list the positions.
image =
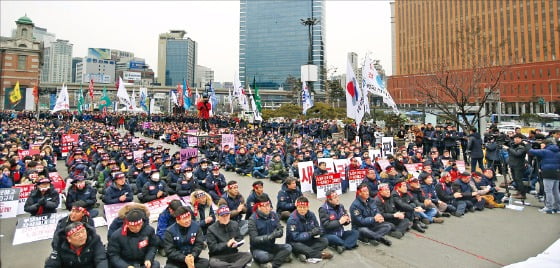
(180, 61)
(273, 42)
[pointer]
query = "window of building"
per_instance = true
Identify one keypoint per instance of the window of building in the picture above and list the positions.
(22, 62)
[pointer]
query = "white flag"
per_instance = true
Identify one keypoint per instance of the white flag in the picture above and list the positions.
(123, 95)
(62, 102)
(373, 82)
(133, 100)
(239, 93)
(305, 97)
(355, 100)
(174, 98)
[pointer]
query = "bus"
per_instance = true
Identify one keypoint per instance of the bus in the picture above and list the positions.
(505, 119)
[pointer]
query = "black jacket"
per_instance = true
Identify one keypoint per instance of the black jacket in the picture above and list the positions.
(59, 234)
(179, 242)
(218, 235)
(132, 248)
(49, 202)
(92, 255)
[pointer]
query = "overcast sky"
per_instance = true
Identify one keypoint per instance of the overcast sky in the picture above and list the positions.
(359, 26)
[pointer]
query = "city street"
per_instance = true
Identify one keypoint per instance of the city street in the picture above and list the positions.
(491, 238)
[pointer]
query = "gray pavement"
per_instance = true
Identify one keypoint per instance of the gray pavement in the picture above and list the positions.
(491, 238)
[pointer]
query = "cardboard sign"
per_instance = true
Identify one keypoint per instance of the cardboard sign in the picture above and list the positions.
(355, 178)
(340, 167)
(24, 153)
(383, 163)
(374, 153)
(460, 165)
(192, 139)
(25, 190)
(35, 146)
(387, 146)
(414, 169)
(305, 170)
(112, 211)
(188, 153)
(327, 182)
(9, 198)
(36, 228)
(66, 142)
(228, 139)
(159, 205)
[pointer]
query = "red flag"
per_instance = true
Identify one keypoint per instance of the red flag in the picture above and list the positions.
(189, 90)
(36, 94)
(180, 95)
(91, 88)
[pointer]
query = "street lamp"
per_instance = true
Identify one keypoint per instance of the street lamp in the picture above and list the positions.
(309, 22)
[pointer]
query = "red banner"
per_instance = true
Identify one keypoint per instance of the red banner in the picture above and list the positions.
(66, 142)
(24, 153)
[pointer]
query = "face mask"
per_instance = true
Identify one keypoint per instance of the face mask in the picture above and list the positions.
(155, 177)
(43, 189)
(188, 175)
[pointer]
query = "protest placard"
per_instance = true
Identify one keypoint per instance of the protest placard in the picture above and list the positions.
(188, 153)
(386, 146)
(383, 163)
(340, 167)
(305, 170)
(112, 211)
(35, 146)
(9, 198)
(147, 125)
(138, 154)
(461, 165)
(35, 228)
(157, 206)
(58, 183)
(24, 153)
(374, 154)
(355, 178)
(327, 182)
(136, 141)
(329, 162)
(66, 143)
(414, 169)
(192, 139)
(25, 190)
(228, 139)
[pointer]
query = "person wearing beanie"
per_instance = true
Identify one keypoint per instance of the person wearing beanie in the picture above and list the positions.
(429, 192)
(78, 247)
(154, 188)
(203, 209)
(184, 241)
(385, 203)
(367, 220)
(119, 191)
(78, 213)
(469, 193)
(258, 190)
(43, 199)
(134, 244)
(287, 197)
(81, 190)
(236, 204)
(224, 240)
(333, 217)
(264, 229)
(186, 184)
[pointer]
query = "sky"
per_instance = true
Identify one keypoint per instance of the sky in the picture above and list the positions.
(351, 26)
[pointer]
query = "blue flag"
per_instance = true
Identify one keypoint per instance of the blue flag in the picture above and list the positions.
(186, 97)
(213, 98)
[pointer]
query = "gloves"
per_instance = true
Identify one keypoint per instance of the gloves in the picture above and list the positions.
(315, 231)
(270, 236)
(279, 232)
(42, 201)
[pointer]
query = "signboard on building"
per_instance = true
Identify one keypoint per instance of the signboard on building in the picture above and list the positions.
(99, 53)
(134, 76)
(136, 65)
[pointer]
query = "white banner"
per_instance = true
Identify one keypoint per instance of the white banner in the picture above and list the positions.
(9, 198)
(36, 228)
(386, 146)
(228, 139)
(305, 170)
(327, 182)
(134, 76)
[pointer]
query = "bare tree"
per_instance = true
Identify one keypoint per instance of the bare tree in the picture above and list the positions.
(458, 92)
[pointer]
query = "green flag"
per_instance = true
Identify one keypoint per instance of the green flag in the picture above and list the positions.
(80, 101)
(105, 101)
(257, 97)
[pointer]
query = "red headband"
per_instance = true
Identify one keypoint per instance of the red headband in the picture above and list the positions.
(81, 209)
(232, 186)
(134, 223)
(300, 203)
(399, 184)
(333, 195)
(262, 204)
(75, 230)
(184, 215)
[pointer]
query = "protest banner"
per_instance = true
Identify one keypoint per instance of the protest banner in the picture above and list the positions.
(355, 178)
(461, 165)
(136, 141)
(66, 143)
(192, 139)
(25, 190)
(305, 170)
(329, 162)
(188, 153)
(147, 125)
(340, 167)
(228, 139)
(9, 198)
(138, 154)
(374, 154)
(387, 146)
(327, 182)
(159, 205)
(58, 183)
(35, 228)
(414, 169)
(112, 211)
(24, 153)
(35, 146)
(383, 163)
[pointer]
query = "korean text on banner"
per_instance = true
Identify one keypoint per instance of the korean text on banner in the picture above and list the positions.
(66, 143)
(228, 139)
(188, 153)
(9, 202)
(112, 211)
(25, 191)
(159, 205)
(355, 178)
(305, 170)
(328, 182)
(192, 139)
(36, 228)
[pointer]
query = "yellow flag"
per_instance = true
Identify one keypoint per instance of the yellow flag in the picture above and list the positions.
(15, 96)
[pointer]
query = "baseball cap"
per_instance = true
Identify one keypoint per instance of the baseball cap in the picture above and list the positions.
(223, 210)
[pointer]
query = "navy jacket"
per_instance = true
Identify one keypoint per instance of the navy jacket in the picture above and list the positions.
(287, 199)
(48, 202)
(165, 220)
(179, 242)
(151, 188)
(216, 183)
(132, 248)
(298, 227)
(362, 212)
(260, 226)
(92, 255)
(330, 216)
(113, 193)
(550, 161)
(88, 194)
(186, 186)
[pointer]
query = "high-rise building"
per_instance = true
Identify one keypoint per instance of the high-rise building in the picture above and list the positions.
(203, 76)
(20, 57)
(274, 43)
(177, 58)
(75, 61)
(425, 33)
(101, 71)
(57, 62)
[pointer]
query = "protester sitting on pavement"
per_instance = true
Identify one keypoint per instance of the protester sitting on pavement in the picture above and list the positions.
(143, 177)
(276, 169)
(385, 203)
(184, 241)
(133, 244)
(44, 199)
(203, 209)
(367, 220)
(430, 213)
(405, 204)
(81, 190)
(229, 160)
(6, 181)
(79, 247)
(119, 220)
(236, 204)
(389, 176)
(154, 188)
(333, 217)
(469, 193)
(287, 196)
(186, 184)
(259, 169)
(484, 190)
(173, 177)
(165, 219)
(78, 213)
(429, 192)
(303, 234)
(201, 173)
(258, 190)
(215, 183)
(119, 191)
(243, 164)
(224, 240)
(264, 228)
